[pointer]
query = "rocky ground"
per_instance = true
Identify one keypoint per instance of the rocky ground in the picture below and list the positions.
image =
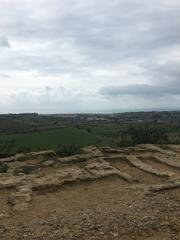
(129, 193)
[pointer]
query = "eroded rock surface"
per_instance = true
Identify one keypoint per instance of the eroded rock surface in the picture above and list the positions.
(117, 179)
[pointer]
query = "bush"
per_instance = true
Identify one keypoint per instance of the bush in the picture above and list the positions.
(147, 134)
(67, 150)
(3, 168)
(28, 169)
(5, 155)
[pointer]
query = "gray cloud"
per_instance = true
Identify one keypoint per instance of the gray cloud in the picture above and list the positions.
(101, 49)
(104, 32)
(164, 80)
(143, 90)
(4, 42)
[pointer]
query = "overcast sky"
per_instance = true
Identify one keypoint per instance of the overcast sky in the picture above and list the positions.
(89, 55)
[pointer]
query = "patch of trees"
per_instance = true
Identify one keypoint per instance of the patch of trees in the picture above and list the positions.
(142, 134)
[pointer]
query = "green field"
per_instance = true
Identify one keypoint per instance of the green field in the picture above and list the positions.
(49, 139)
(33, 132)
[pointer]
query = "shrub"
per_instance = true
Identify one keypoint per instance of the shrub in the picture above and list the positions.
(66, 150)
(27, 169)
(3, 168)
(5, 155)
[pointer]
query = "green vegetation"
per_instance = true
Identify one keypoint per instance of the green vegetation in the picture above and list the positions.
(28, 169)
(66, 150)
(3, 168)
(67, 134)
(25, 142)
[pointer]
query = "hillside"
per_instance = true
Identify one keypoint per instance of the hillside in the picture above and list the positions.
(106, 193)
(36, 132)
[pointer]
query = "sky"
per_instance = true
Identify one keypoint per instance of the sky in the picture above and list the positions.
(68, 56)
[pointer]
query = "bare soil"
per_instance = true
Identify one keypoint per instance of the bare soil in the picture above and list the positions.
(93, 201)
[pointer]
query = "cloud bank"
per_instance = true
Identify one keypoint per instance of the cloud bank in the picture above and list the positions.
(89, 56)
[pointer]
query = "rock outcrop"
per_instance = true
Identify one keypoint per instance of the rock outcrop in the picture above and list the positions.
(46, 171)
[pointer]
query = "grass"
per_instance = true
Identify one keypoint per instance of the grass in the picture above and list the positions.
(50, 139)
(10, 124)
(98, 134)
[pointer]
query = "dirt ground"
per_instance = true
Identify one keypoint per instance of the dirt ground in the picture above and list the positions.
(97, 204)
